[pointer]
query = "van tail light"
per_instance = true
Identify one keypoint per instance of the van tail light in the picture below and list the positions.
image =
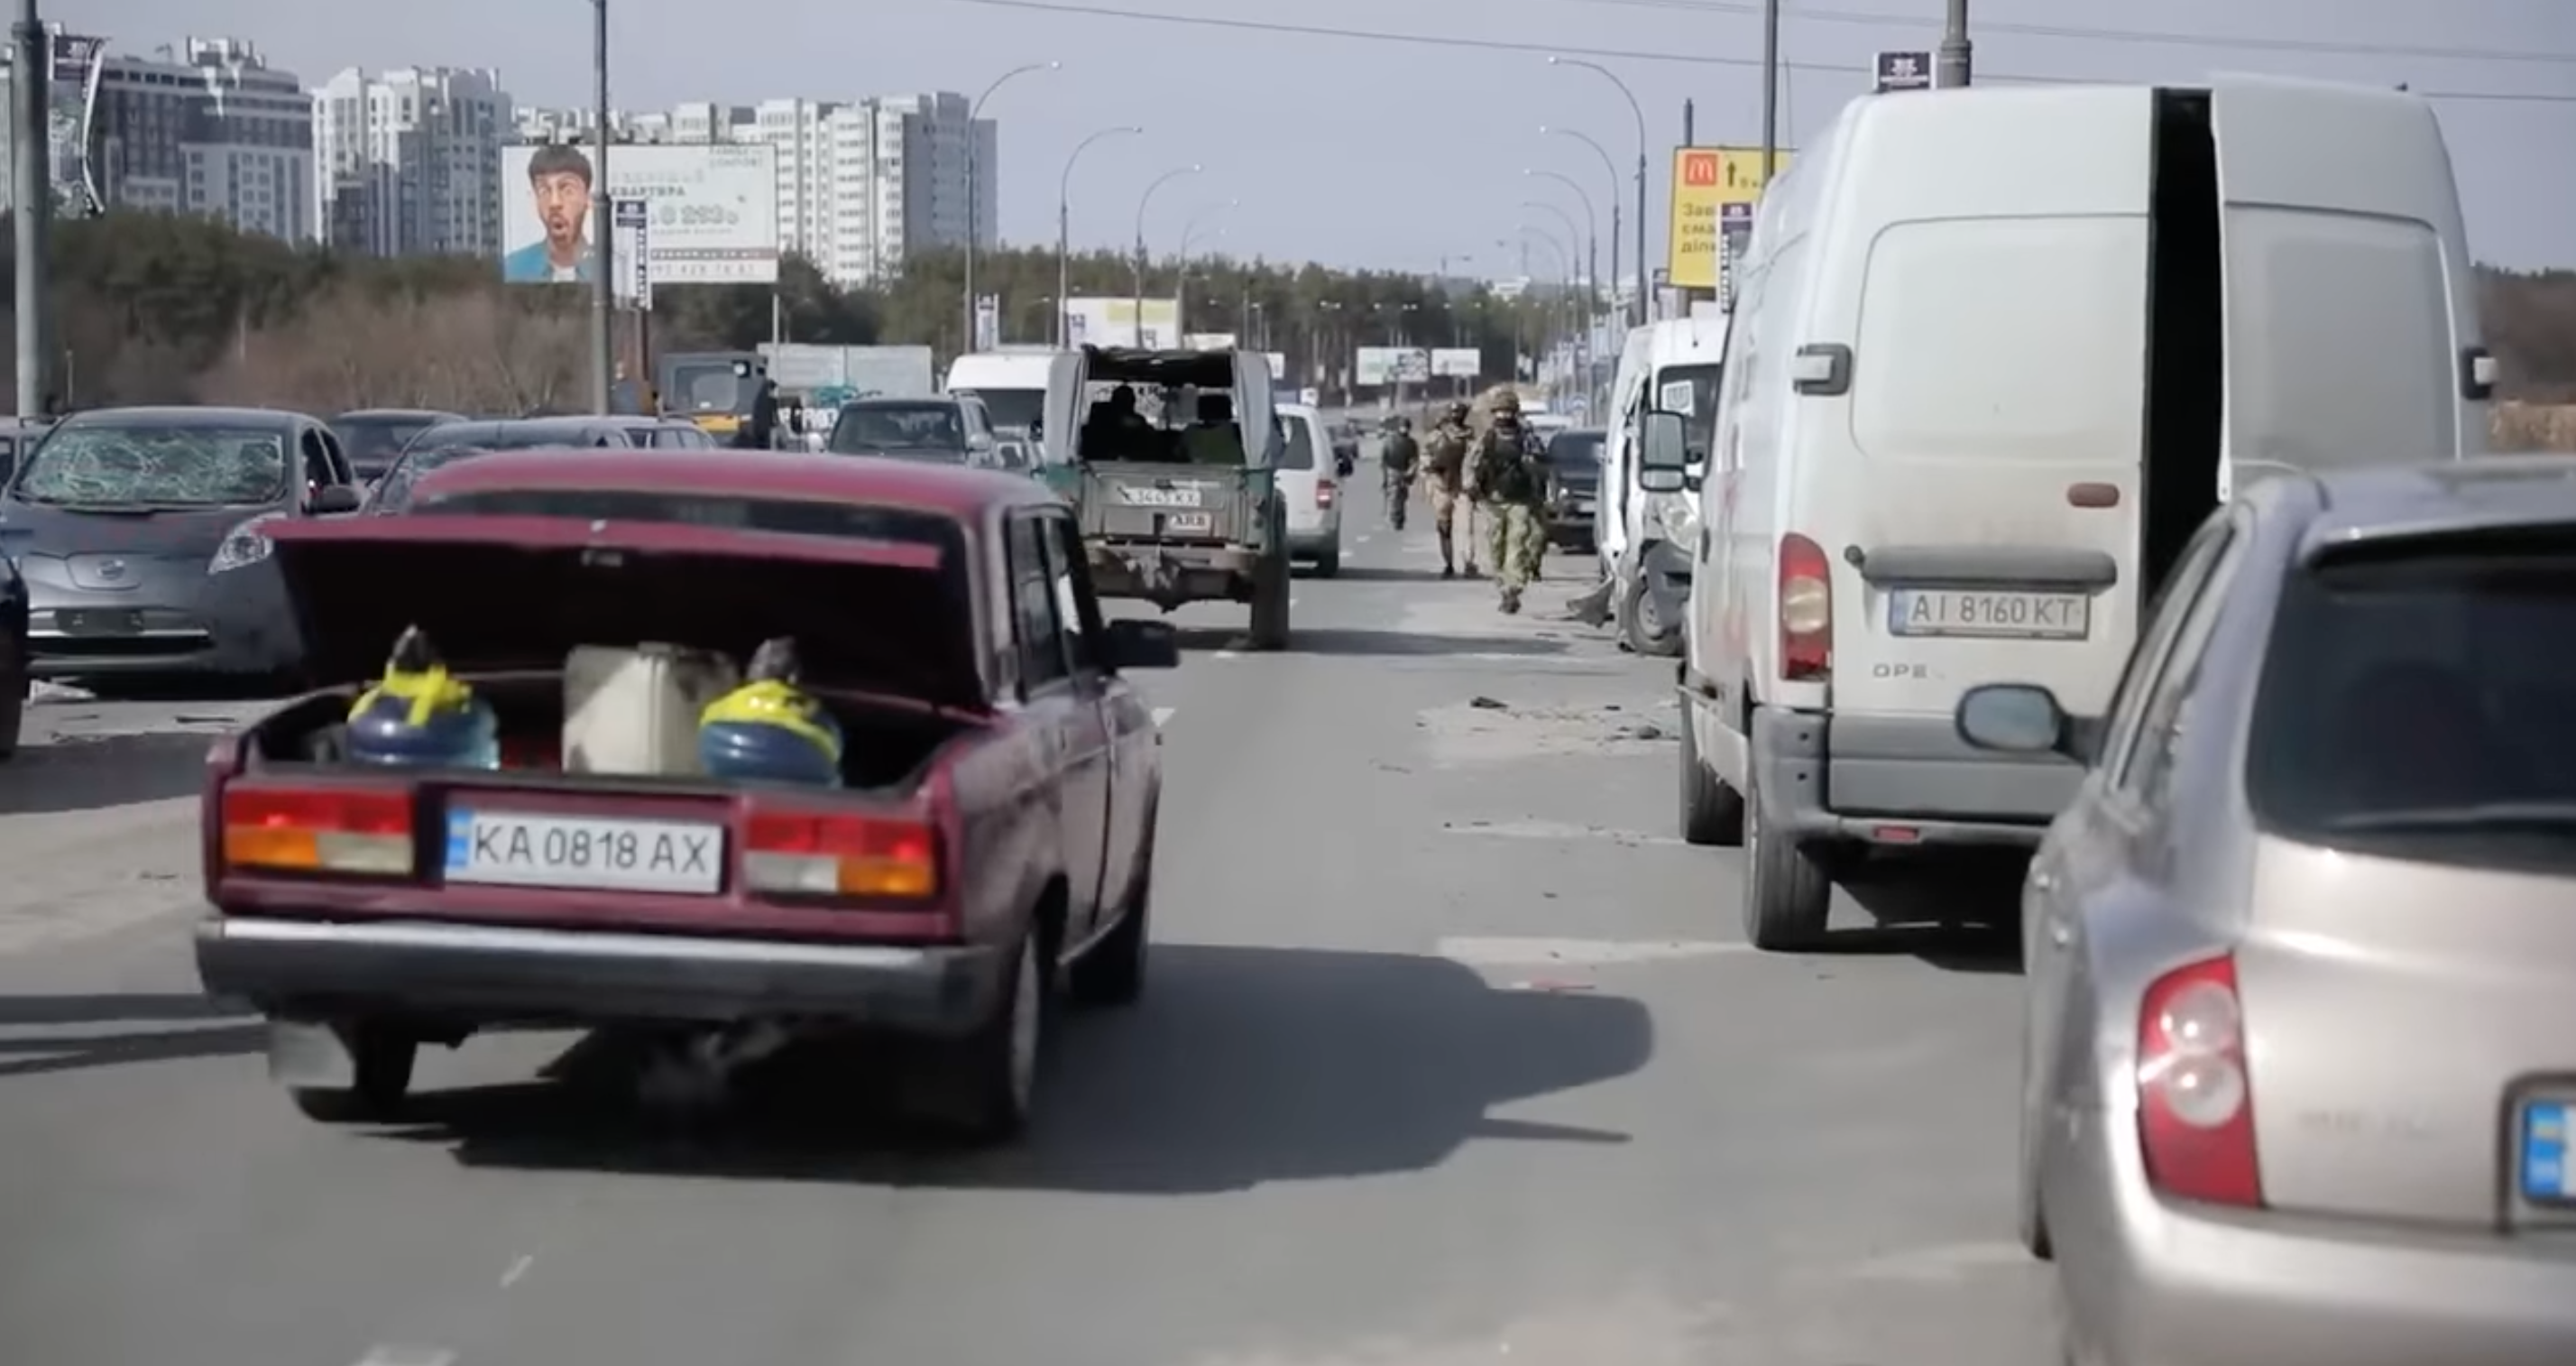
(319, 830)
(803, 853)
(1806, 611)
(2195, 1098)
(1323, 493)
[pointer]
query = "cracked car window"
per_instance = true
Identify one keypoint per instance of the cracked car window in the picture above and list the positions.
(200, 466)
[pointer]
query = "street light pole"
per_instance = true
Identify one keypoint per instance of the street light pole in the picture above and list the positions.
(603, 284)
(974, 189)
(1064, 225)
(1142, 202)
(1950, 69)
(1639, 111)
(32, 192)
(1612, 169)
(1181, 278)
(1591, 244)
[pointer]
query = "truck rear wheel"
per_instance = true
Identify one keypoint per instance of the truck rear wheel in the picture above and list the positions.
(1712, 812)
(1787, 895)
(1270, 605)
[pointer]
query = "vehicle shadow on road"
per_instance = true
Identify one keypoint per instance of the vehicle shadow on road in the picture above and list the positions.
(32, 1055)
(84, 773)
(1374, 573)
(1242, 1066)
(1957, 916)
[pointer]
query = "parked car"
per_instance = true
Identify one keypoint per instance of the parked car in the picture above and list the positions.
(372, 437)
(457, 441)
(993, 833)
(1574, 487)
(2301, 976)
(142, 534)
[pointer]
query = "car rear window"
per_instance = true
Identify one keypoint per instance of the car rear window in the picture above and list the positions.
(1298, 451)
(1575, 450)
(786, 516)
(2423, 698)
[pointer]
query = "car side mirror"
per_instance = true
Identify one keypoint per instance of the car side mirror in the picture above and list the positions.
(1143, 645)
(2022, 718)
(334, 498)
(1663, 461)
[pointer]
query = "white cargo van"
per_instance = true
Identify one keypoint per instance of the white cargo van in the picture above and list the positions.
(1996, 355)
(1671, 366)
(1013, 385)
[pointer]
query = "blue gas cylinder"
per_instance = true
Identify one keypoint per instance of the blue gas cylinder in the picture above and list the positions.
(420, 717)
(770, 730)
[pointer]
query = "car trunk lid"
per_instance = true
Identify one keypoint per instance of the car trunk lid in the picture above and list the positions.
(500, 593)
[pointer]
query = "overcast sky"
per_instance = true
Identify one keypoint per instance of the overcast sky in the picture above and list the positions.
(1375, 149)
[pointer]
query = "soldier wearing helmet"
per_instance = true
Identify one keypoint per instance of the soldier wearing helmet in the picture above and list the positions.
(1507, 472)
(1444, 460)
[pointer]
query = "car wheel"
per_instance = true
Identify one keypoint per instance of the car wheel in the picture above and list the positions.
(1642, 628)
(1113, 973)
(986, 1084)
(1329, 563)
(1712, 812)
(13, 691)
(383, 1058)
(1786, 893)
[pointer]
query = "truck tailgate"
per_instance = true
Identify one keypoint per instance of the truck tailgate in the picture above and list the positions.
(1169, 503)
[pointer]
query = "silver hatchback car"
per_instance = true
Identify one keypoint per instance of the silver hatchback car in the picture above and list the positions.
(2299, 1076)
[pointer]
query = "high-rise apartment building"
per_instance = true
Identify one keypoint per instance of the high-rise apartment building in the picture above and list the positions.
(409, 162)
(861, 184)
(206, 127)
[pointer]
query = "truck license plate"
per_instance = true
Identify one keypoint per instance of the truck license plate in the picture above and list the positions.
(1190, 523)
(1137, 496)
(521, 849)
(1994, 616)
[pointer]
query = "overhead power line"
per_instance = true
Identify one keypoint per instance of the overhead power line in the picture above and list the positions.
(2161, 37)
(1464, 42)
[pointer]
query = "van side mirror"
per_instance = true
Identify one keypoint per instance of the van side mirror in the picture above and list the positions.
(1662, 458)
(2022, 718)
(332, 499)
(1134, 644)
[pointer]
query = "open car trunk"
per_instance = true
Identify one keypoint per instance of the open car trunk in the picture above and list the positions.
(882, 624)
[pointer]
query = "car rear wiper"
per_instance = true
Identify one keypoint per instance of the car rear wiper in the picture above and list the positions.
(2545, 817)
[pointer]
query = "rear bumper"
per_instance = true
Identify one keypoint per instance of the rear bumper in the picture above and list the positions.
(2161, 1285)
(484, 974)
(1900, 781)
(1170, 574)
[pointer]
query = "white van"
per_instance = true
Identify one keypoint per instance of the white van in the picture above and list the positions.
(1309, 489)
(1012, 384)
(1997, 354)
(1672, 366)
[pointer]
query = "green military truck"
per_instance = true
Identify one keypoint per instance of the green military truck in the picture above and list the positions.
(1176, 495)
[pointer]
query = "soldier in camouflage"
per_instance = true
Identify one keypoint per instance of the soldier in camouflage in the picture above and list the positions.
(1444, 460)
(1508, 474)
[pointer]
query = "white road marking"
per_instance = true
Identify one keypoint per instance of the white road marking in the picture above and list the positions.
(1555, 830)
(1579, 953)
(1226, 654)
(517, 1269)
(407, 1356)
(1162, 715)
(1364, 540)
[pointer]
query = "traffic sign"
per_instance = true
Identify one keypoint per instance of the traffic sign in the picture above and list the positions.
(1904, 71)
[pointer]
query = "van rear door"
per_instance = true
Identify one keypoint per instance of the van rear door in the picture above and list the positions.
(2351, 302)
(1982, 523)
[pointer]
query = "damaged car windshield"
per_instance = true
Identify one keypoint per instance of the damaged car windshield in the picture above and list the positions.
(191, 466)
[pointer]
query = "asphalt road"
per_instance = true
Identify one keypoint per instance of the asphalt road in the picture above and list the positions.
(1452, 1054)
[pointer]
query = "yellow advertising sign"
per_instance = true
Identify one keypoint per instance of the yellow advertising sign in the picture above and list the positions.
(1706, 180)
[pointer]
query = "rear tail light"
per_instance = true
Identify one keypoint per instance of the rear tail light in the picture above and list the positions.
(2195, 1098)
(319, 830)
(1806, 611)
(1323, 493)
(807, 854)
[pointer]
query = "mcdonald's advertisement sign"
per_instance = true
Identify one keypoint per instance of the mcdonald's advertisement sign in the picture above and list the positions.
(1706, 180)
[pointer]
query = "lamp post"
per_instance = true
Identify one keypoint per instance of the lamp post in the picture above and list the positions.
(603, 247)
(1181, 278)
(33, 198)
(1612, 168)
(1573, 235)
(1639, 111)
(1064, 224)
(1591, 234)
(974, 189)
(1564, 255)
(1143, 202)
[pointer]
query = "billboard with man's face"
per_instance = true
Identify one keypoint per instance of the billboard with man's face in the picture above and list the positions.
(713, 211)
